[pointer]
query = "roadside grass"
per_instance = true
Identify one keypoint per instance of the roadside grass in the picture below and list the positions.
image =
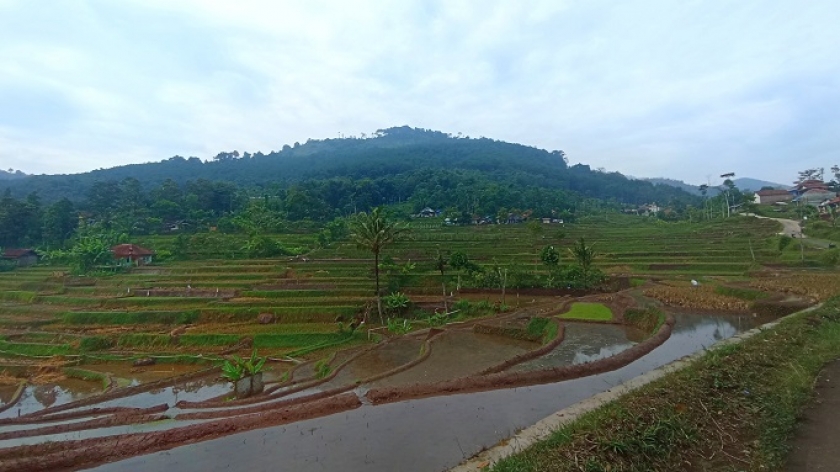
(588, 311)
(733, 409)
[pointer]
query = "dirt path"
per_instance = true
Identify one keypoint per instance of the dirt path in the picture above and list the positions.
(816, 446)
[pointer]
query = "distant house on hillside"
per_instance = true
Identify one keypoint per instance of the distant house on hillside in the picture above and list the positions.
(23, 257)
(427, 213)
(769, 197)
(132, 254)
(650, 209)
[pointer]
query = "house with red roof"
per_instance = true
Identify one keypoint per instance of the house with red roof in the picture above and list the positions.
(769, 197)
(132, 254)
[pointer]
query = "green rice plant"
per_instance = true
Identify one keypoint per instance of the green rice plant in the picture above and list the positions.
(94, 343)
(144, 340)
(588, 312)
(19, 296)
(65, 300)
(287, 293)
(88, 375)
(353, 337)
(208, 339)
(131, 317)
(35, 349)
(297, 339)
(742, 293)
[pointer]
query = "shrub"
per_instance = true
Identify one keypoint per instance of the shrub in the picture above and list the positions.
(830, 257)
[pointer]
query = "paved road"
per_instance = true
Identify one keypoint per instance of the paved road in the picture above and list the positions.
(792, 228)
(816, 446)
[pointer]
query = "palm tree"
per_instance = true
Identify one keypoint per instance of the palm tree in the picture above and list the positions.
(373, 231)
(584, 256)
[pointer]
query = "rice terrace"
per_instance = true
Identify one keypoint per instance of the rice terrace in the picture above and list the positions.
(102, 368)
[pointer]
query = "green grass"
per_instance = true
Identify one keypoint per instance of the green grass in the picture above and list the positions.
(18, 296)
(536, 326)
(131, 317)
(648, 320)
(89, 375)
(742, 293)
(143, 340)
(739, 401)
(35, 349)
(588, 312)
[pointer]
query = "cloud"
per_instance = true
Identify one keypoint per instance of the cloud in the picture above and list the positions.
(642, 87)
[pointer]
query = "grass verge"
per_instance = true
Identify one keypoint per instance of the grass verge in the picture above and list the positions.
(733, 409)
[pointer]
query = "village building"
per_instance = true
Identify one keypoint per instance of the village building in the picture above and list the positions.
(427, 213)
(132, 254)
(814, 196)
(23, 257)
(769, 197)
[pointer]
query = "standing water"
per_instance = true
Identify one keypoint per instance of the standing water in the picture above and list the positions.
(430, 434)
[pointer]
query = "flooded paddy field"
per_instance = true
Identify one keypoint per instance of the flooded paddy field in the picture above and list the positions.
(430, 433)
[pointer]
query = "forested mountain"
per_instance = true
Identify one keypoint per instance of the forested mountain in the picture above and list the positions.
(11, 174)
(387, 153)
(318, 181)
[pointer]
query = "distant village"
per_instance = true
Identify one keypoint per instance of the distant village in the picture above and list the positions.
(814, 192)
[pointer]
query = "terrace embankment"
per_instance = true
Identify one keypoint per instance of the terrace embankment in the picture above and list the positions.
(733, 408)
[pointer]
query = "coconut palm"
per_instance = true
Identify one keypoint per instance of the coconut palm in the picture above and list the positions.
(373, 231)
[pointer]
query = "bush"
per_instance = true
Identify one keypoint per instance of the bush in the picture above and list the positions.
(784, 241)
(830, 257)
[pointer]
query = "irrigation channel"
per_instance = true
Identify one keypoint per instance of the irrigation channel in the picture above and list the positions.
(421, 434)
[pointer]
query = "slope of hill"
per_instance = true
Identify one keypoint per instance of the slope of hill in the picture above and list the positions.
(754, 185)
(402, 151)
(743, 183)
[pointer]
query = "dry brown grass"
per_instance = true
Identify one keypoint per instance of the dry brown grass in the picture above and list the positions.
(701, 298)
(820, 286)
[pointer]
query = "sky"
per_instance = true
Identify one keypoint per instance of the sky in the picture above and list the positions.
(687, 90)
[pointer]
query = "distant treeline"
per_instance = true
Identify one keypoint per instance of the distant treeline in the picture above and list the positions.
(318, 181)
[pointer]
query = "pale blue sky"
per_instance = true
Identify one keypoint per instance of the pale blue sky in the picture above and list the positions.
(647, 88)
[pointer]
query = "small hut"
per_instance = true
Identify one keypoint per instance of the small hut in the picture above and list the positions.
(23, 257)
(129, 254)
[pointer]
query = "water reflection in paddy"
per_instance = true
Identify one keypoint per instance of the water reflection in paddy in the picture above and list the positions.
(38, 397)
(425, 434)
(584, 342)
(458, 353)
